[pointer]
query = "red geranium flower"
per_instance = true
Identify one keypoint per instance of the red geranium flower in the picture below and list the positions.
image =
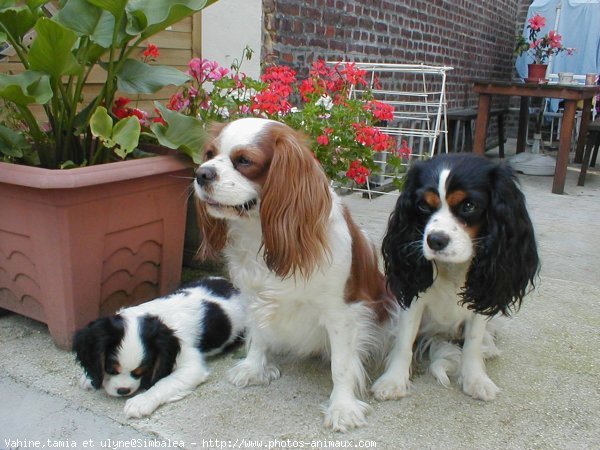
(322, 139)
(372, 137)
(151, 53)
(380, 110)
(358, 172)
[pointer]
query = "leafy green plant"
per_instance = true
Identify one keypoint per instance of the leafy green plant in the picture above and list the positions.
(57, 62)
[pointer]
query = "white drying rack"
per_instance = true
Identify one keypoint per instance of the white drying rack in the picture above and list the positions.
(418, 94)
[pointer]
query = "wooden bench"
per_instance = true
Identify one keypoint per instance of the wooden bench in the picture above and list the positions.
(593, 141)
(464, 117)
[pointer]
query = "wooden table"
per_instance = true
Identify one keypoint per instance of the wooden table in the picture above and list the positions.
(571, 95)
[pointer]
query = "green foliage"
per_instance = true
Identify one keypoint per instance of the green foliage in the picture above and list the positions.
(85, 34)
(123, 137)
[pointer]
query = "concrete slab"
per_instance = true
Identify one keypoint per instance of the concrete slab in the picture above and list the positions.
(548, 371)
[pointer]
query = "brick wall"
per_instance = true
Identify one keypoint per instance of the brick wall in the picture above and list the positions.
(476, 38)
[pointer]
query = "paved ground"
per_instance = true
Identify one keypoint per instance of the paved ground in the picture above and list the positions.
(548, 371)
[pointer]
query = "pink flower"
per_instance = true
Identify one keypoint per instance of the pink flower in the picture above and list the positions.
(177, 102)
(404, 151)
(192, 92)
(537, 22)
(555, 39)
(218, 73)
(203, 69)
(195, 67)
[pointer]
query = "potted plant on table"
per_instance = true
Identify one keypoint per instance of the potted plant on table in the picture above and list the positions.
(78, 237)
(539, 49)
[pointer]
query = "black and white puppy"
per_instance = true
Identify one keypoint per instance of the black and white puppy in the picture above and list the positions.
(459, 250)
(160, 345)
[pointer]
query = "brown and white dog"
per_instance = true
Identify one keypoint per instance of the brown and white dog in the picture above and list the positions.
(310, 275)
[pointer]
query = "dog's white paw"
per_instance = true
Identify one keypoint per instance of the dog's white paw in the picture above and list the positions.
(85, 383)
(141, 405)
(480, 387)
(389, 387)
(345, 415)
(246, 373)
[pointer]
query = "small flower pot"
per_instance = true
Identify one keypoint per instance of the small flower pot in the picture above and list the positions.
(81, 243)
(536, 73)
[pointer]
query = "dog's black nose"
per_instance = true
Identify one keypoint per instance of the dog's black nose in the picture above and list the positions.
(205, 175)
(123, 391)
(438, 241)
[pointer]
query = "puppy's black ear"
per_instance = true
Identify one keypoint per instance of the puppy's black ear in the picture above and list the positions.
(408, 272)
(92, 343)
(506, 262)
(161, 346)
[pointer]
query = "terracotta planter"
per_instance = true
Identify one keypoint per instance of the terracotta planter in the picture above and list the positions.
(536, 73)
(81, 243)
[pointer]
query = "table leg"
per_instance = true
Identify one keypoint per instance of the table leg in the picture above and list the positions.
(585, 120)
(501, 135)
(523, 120)
(483, 117)
(564, 147)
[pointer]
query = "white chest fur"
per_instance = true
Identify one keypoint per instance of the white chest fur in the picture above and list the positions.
(443, 311)
(290, 312)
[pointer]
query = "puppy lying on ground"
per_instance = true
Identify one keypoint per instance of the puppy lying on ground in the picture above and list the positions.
(160, 345)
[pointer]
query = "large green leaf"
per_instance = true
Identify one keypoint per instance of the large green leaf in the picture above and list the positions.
(26, 88)
(182, 132)
(123, 137)
(101, 124)
(136, 77)
(17, 20)
(88, 20)
(35, 4)
(51, 49)
(149, 17)
(12, 143)
(126, 134)
(115, 7)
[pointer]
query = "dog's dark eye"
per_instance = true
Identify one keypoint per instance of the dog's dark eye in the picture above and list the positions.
(209, 154)
(111, 370)
(468, 207)
(138, 373)
(423, 206)
(243, 161)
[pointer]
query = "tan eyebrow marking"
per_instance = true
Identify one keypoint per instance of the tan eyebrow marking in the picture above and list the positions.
(138, 372)
(456, 198)
(432, 199)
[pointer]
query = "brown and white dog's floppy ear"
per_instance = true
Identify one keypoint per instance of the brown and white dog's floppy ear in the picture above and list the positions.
(213, 231)
(294, 208)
